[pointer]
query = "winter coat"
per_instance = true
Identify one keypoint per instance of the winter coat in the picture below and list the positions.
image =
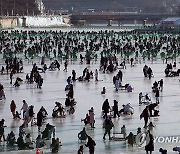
(150, 145)
(106, 107)
(39, 118)
(157, 93)
(108, 125)
(13, 107)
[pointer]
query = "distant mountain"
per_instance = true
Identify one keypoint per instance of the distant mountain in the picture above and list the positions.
(160, 6)
(34, 7)
(19, 7)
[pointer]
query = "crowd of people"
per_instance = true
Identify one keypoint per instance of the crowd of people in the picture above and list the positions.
(68, 44)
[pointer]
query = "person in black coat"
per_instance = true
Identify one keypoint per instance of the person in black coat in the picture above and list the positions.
(71, 92)
(149, 72)
(31, 114)
(145, 68)
(105, 108)
(157, 95)
(120, 74)
(114, 80)
(145, 115)
(73, 75)
(161, 82)
(39, 119)
(67, 102)
(115, 109)
(150, 146)
(91, 145)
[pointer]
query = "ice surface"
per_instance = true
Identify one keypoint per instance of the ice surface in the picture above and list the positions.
(87, 95)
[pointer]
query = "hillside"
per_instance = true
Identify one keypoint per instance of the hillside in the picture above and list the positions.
(160, 6)
(31, 7)
(20, 7)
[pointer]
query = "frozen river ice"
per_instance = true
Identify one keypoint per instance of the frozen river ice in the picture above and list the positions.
(87, 95)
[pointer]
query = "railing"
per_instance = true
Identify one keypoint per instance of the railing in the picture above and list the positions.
(124, 13)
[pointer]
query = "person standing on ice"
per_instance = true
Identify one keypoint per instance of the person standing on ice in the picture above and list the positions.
(91, 115)
(39, 119)
(31, 114)
(145, 69)
(117, 83)
(42, 60)
(11, 77)
(140, 98)
(120, 75)
(26, 118)
(149, 143)
(71, 92)
(149, 72)
(96, 75)
(73, 75)
(115, 109)
(146, 115)
(24, 107)
(65, 65)
(161, 84)
(105, 108)
(13, 108)
(108, 125)
(157, 95)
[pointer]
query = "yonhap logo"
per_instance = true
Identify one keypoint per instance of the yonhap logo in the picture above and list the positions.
(141, 139)
(167, 139)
